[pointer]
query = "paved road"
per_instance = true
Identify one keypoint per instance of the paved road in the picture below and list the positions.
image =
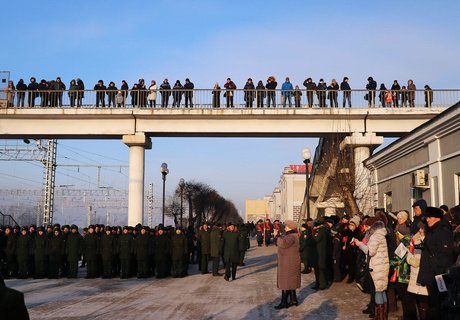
(251, 296)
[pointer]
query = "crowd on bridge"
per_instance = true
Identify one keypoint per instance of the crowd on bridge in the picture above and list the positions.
(319, 94)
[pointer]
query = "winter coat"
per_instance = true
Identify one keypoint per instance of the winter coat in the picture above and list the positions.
(411, 91)
(188, 87)
(345, 86)
(261, 91)
(107, 247)
(320, 237)
(91, 246)
(231, 246)
(249, 91)
(74, 247)
(286, 89)
(152, 92)
(376, 247)
(205, 240)
(437, 255)
(288, 275)
(178, 246)
(216, 242)
(39, 247)
(22, 249)
(414, 262)
(125, 246)
(56, 246)
(165, 89)
(332, 91)
(142, 247)
(162, 249)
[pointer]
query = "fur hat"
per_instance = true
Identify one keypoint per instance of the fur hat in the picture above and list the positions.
(434, 212)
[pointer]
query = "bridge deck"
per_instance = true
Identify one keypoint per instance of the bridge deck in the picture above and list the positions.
(105, 123)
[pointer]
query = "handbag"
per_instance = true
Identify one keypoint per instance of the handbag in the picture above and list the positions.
(363, 274)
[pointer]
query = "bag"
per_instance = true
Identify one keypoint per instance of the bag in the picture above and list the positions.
(363, 275)
(366, 96)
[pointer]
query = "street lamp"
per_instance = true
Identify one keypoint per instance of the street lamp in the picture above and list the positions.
(164, 171)
(306, 155)
(181, 186)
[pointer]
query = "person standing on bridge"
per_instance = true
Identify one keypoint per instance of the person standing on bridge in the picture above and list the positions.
(428, 96)
(165, 90)
(286, 92)
(177, 93)
(72, 92)
(124, 88)
(100, 93)
(271, 93)
(188, 89)
(21, 89)
(396, 90)
(32, 88)
(81, 92)
(411, 93)
(372, 87)
(153, 94)
(345, 87)
(321, 92)
(249, 93)
(311, 88)
(216, 96)
(111, 93)
(229, 94)
(332, 93)
(260, 94)
(288, 275)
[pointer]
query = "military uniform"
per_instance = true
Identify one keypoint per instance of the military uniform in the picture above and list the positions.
(179, 251)
(91, 249)
(10, 251)
(39, 247)
(143, 250)
(243, 243)
(205, 245)
(320, 238)
(162, 253)
(22, 253)
(74, 249)
(231, 247)
(107, 252)
(55, 251)
(216, 248)
(125, 251)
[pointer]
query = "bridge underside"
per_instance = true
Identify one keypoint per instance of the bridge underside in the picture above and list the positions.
(115, 123)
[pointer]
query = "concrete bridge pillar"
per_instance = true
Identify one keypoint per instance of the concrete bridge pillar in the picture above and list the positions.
(362, 146)
(137, 144)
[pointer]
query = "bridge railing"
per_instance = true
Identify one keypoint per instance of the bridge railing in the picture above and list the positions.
(221, 98)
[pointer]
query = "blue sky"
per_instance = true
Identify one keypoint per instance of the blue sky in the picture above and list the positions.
(209, 41)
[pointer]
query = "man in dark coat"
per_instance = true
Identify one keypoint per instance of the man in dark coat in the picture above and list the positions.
(437, 257)
(100, 93)
(311, 88)
(188, 88)
(372, 87)
(162, 254)
(91, 249)
(231, 247)
(107, 252)
(179, 251)
(205, 243)
(216, 248)
(125, 251)
(55, 251)
(10, 251)
(143, 250)
(305, 235)
(419, 208)
(243, 242)
(12, 303)
(345, 87)
(320, 238)
(32, 88)
(22, 252)
(39, 248)
(73, 249)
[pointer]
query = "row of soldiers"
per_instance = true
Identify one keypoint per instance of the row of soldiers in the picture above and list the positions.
(106, 252)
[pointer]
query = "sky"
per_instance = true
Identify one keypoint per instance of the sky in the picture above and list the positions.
(208, 41)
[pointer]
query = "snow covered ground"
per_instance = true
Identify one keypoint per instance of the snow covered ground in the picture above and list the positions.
(251, 296)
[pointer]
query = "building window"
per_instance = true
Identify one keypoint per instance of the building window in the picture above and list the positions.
(388, 202)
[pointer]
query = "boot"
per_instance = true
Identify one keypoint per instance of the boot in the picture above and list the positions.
(283, 303)
(293, 298)
(385, 311)
(379, 311)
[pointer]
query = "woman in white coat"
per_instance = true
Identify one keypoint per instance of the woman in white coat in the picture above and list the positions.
(152, 97)
(375, 245)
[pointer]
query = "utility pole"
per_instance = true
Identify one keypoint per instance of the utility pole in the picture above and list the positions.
(49, 182)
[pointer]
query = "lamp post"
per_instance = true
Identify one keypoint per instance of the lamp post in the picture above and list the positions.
(306, 155)
(181, 186)
(164, 171)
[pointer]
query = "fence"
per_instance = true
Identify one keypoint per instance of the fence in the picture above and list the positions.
(238, 98)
